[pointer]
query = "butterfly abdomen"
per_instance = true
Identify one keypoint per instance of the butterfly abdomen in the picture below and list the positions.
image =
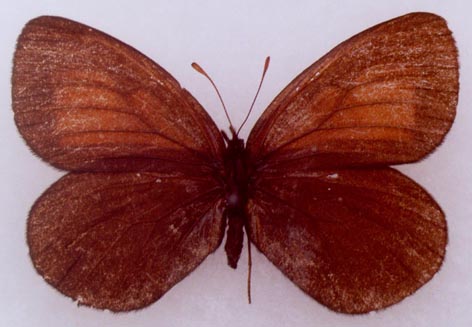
(236, 182)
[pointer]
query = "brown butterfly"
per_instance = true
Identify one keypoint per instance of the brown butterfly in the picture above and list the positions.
(153, 184)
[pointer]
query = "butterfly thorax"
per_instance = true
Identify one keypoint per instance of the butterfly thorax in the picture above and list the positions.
(236, 183)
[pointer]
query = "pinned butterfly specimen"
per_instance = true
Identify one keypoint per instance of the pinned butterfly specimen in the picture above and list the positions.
(153, 185)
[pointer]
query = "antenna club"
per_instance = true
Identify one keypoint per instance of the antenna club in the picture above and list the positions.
(266, 64)
(198, 68)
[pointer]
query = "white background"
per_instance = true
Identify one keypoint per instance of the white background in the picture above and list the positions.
(231, 39)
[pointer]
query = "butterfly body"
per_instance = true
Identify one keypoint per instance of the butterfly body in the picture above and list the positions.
(236, 182)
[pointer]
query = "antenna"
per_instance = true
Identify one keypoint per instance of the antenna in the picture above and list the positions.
(201, 71)
(266, 66)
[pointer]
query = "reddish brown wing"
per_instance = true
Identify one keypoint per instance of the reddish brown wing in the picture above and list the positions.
(355, 240)
(387, 95)
(120, 241)
(85, 101)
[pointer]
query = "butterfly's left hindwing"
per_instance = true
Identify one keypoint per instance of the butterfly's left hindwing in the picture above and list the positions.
(120, 241)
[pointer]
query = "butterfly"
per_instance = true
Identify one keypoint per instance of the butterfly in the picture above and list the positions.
(153, 185)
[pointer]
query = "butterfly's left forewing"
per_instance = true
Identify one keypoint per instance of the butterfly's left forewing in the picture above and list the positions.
(83, 100)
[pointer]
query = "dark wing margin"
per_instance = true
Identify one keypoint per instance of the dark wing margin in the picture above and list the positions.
(385, 96)
(120, 241)
(355, 240)
(83, 100)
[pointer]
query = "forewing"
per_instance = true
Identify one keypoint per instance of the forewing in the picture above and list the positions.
(354, 240)
(86, 101)
(387, 95)
(120, 241)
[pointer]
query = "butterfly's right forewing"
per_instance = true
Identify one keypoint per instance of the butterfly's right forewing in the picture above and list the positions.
(385, 96)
